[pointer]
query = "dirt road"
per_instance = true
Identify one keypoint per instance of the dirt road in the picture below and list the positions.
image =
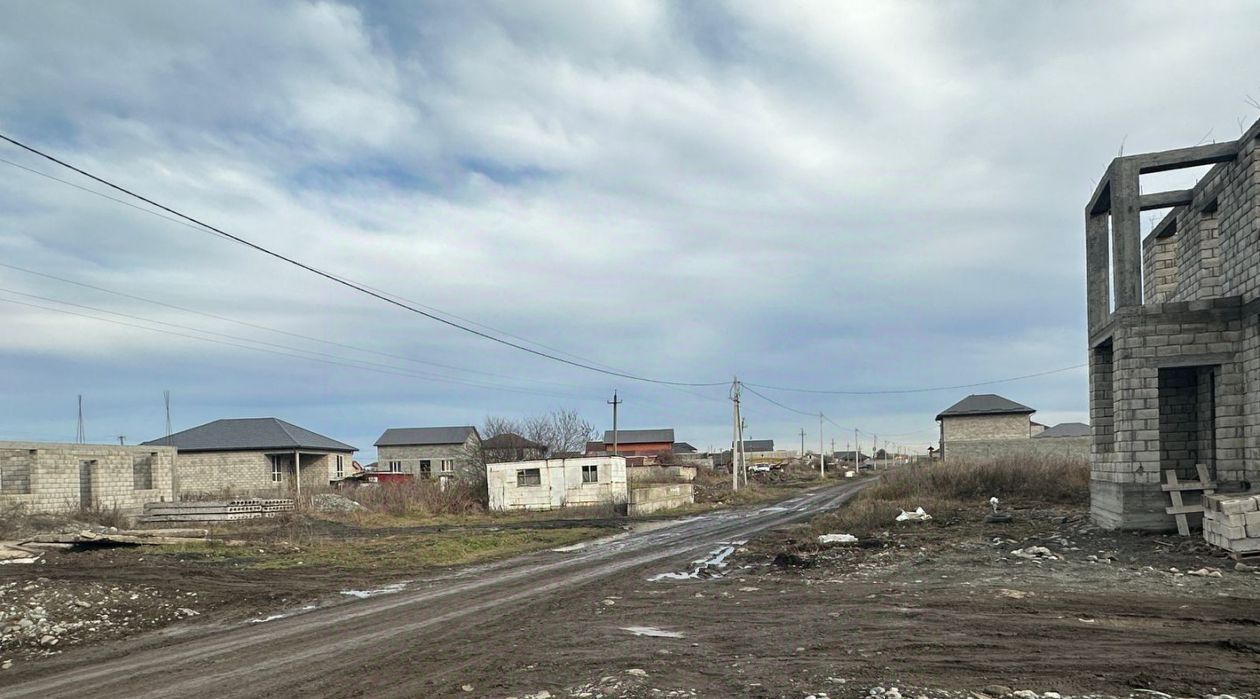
(432, 637)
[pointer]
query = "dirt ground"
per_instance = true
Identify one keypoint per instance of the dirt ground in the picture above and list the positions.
(942, 609)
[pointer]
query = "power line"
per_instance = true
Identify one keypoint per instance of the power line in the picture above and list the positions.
(349, 284)
(367, 366)
(916, 390)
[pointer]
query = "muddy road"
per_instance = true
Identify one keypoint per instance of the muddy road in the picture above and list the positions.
(432, 637)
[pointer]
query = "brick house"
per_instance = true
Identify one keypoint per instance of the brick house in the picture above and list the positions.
(1174, 329)
(427, 452)
(262, 456)
(51, 477)
(635, 443)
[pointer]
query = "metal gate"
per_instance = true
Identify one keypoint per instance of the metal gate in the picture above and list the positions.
(85, 484)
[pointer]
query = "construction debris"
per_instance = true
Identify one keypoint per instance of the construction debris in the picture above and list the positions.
(133, 537)
(1232, 522)
(837, 539)
(917, 516)
(215, 511)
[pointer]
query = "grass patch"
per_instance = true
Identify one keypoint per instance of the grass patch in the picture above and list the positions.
(407, 552)
(944, 489)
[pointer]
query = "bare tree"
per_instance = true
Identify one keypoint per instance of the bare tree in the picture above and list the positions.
(558, 431)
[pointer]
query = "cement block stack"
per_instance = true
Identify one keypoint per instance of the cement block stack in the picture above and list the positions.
(1232, 522)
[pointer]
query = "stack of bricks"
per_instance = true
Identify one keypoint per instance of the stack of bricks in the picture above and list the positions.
(1232, 522)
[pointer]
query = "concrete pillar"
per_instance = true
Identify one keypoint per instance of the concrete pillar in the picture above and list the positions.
(1126, 233)
(1097, 272)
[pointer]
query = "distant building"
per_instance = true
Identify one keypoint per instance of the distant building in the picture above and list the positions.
(511, 447)
(986, 426)
(255, 456)
(429, 452)
(547, 484)
(758, 445)
(635, 443)
(684, 448)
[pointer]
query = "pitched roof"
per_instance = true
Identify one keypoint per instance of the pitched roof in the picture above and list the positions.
(985, 404)
(249, 434)
(425, 436)
(683, 448)
(640, 436)
(509, 440)
(1064, 429)
(758, 445)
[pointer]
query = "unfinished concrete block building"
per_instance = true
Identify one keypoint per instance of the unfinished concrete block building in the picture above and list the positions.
(1174, 330)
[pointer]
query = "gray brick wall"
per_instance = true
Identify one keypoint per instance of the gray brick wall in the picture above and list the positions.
(47, 477)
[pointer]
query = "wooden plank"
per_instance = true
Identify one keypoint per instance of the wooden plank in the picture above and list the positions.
(1184, 510)
(1183, 527)
(1189, 485)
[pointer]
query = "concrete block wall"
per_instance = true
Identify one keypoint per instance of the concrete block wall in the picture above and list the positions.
(45, 477)
(1076, 448)
(653, 498)
(985, 427)
(249, 473)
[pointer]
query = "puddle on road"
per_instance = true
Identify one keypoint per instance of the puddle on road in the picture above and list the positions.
(282, 615)
(388, 589)
(651, 631)
(709, 567)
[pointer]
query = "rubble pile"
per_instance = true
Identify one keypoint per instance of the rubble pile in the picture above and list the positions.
(42, 616)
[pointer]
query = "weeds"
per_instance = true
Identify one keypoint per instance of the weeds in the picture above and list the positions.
(424, 498)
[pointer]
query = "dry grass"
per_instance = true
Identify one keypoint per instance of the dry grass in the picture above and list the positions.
(103, 515)
(946, 488)
(419, 498)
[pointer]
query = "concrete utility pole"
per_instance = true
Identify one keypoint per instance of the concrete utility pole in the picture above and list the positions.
(122, 440)
(822, 457)
(166, 397)
(79, 436)
(802, 442)
(614, 403)
(857, 449)
(736, 441)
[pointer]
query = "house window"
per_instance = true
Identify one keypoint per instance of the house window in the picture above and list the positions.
(276, 474)
(395, 467)
(447, 465)
(590, 473)
(142, 472)
(426, 468)
(341, 466)
(528, 476)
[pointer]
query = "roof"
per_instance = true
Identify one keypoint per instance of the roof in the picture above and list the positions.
(640, 437)
(1065, 429)
(595, 446)
(683, 448)
(509, 440)
(425, 436)
(249, 434)
(985, 404)
(758, 445)
(847, 455)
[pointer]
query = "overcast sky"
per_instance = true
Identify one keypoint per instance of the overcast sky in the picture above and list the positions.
(864, 196)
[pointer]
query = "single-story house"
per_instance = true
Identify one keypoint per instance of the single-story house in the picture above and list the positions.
(546, 484)
(635, 443)
(511, 447)
(55, 477)
(255, 457)
(427, 452)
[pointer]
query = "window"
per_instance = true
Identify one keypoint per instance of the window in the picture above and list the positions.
(276, 474)
(142, 472)
(395, 467)
(590, 473)
(447, 465)
(426, 468)
(528, 476)
(341, 466)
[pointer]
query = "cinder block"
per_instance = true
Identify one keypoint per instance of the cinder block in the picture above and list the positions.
(1238, 505)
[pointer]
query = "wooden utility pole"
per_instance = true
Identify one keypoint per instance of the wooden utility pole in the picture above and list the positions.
(737, 442)
(614, 403)
(822, 458)
(802, 442)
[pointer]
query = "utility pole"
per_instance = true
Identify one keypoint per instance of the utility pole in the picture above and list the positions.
(614, 403)
(874, 449)
(734, 435)
(166, 397)
(857, 449)
(822, 458)
(802, 442)
(122, 440)
(80, 437)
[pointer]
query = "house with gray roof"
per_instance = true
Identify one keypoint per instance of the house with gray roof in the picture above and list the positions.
(257, 457)
(431, 452)
(988, 426)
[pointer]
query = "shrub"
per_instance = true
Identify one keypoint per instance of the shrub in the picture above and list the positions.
(419, 497)
(1044, 479)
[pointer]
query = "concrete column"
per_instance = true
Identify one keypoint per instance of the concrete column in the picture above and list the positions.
(1097, 270)
(1126, 233)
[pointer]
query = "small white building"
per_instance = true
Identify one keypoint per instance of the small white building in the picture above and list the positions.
(546, 484)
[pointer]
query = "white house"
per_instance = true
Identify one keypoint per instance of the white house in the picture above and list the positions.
(546, 484)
